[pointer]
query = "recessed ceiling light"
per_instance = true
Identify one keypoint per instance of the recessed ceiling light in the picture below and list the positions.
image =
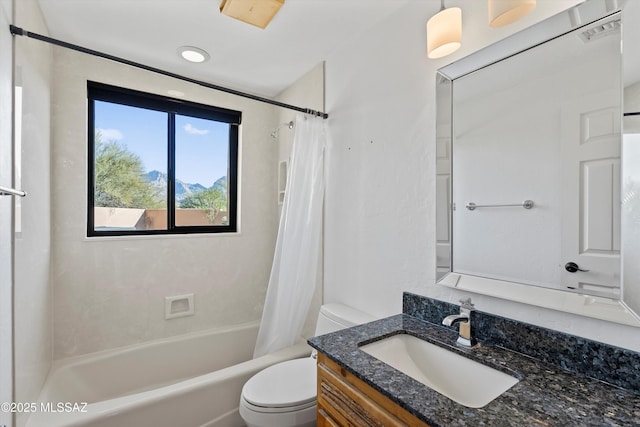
(193, 54)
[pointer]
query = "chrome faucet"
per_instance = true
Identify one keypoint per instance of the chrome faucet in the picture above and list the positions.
(464, 320)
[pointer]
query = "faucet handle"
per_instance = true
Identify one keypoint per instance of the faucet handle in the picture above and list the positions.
(466, 303)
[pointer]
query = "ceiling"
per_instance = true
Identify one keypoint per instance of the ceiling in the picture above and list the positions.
(263, 62)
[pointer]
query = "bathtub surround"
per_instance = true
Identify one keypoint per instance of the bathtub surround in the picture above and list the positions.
(106, 297)
(33, 298)
(6, 206)
(297, 257)
(109, 292)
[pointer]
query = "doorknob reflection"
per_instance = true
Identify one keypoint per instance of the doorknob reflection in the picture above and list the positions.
(572, 267)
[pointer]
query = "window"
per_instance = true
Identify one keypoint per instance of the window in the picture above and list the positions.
(159, 165)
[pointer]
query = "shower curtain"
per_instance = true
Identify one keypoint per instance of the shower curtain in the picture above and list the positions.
(296, 262)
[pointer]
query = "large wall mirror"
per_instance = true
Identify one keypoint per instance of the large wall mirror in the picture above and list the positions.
(538, 165)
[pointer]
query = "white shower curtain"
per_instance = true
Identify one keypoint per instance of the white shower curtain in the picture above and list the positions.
(296, 262)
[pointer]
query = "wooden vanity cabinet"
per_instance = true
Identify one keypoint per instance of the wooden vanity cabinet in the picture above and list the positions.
(345, 401)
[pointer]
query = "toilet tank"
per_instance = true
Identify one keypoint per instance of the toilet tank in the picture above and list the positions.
(334, 317)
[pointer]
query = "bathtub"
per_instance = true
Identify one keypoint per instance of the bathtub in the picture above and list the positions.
(193, 380)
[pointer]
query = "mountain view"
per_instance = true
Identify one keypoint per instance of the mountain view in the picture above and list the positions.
(159, 180)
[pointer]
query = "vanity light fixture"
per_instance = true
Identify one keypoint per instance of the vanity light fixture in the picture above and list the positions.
(504, 12)
(444, 32)
(193, 54)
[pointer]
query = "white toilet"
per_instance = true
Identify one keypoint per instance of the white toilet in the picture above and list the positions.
(284, 395)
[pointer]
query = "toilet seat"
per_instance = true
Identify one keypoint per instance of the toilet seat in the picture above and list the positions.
(280, 410)
(255, 416)
(284, 387)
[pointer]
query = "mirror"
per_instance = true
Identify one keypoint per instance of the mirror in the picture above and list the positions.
(538, 183)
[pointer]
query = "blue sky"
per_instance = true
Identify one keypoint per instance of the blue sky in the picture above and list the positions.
(201, 145)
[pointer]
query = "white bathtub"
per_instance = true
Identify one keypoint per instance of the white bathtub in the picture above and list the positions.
(188, 381)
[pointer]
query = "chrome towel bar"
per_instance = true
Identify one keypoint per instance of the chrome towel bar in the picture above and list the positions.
(4, 191)
(527, 204)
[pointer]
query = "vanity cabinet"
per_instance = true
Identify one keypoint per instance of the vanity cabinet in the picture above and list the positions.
(344, 401)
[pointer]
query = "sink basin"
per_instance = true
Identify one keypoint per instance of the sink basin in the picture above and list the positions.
(466, 381)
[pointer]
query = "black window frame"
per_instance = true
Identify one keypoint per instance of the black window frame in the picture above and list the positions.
(118, 95)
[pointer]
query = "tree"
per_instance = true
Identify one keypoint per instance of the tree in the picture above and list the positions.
(119, 178)
(212, 200)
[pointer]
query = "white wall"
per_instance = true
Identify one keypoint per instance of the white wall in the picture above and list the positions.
(6, 216)
(33, 293)
(380, 222)
(109, 292)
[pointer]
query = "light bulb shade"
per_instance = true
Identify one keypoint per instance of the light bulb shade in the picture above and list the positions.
(504, 12)
(444, 32)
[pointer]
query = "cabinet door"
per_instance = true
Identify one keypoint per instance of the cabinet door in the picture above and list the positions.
(325, 420)
(345, 401)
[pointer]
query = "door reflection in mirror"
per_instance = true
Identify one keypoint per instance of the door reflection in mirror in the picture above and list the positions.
(540, 125)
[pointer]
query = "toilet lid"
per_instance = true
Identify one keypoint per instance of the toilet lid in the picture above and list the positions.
(285, 384)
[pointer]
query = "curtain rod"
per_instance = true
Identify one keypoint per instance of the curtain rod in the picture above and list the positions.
(21, 32)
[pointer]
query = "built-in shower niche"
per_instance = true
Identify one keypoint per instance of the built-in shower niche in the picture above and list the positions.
(282, 180)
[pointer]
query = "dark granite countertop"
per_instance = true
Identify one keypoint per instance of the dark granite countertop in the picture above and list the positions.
(546, 395)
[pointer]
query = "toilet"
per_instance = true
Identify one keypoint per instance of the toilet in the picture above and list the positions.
(284, 395)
